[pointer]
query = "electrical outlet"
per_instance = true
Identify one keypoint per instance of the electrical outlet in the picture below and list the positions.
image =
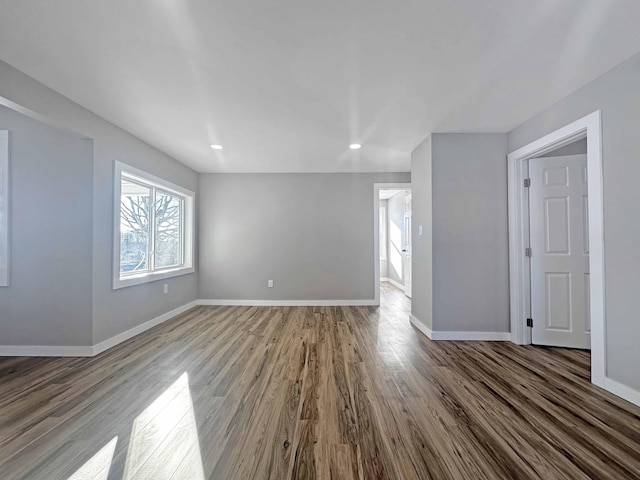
(270, 284)
(420, 230)
(165, 288)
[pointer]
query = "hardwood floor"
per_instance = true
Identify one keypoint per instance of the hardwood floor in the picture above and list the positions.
(311, 392)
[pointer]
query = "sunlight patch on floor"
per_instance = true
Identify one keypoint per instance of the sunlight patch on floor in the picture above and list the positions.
(97, 467)
(164, 439)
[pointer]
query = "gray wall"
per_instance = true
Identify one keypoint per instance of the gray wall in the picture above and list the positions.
(421, 214)
(311, 233)
(616, 94)
(49, 297)
(114, 311)
(470, 232)
(395, 220)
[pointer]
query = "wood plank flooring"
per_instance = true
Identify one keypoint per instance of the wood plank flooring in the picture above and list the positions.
(311, 392)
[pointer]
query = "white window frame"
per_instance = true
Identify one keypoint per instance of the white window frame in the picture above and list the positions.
(188, 226)
(4, 208)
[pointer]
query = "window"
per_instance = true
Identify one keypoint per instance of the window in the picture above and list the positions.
(4, 208)
(383, 232)
(153, 228)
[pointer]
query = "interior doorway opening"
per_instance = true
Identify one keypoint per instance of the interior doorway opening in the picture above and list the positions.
(548, 288)
(392, 212)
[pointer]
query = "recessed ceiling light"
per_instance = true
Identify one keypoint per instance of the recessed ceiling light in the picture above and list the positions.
(355, 146)
(216, 147)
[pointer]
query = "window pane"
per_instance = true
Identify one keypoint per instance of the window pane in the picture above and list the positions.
(134, 227)
(168, 230)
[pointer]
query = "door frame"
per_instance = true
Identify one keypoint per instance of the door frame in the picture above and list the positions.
(407, 272)
(519, 265)
(376, 231)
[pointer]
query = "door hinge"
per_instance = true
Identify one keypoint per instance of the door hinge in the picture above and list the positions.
(527, 182)
(527, 252)
(529, 322)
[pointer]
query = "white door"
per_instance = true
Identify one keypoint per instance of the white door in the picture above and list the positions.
(559, 251)
(406, 250)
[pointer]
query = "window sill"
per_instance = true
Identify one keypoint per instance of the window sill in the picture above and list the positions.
(132, 280)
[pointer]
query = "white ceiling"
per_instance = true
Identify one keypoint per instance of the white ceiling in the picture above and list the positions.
(286, 85)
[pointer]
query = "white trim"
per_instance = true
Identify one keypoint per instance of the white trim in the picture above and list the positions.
(288, 303)
(149, 277)
(188, 228)
(5, 209)
(472, 336)
(376, 231)
(44, 351)
(460, 336)
(420, 326)
(90, 351)
(138, 329)
(589, 126)
(621, 390)
(392, 282)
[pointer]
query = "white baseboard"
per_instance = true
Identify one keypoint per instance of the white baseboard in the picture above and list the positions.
(287, 303)
(89, 351)
(138, 329)
(472, 336)
(92, 350)
(460, 336)
(612, 386)
(621, 390)
(44, 351)
(420, 326)
(392, 282)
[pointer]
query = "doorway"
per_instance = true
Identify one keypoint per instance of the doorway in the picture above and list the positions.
(547, 289)
(392, 234)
